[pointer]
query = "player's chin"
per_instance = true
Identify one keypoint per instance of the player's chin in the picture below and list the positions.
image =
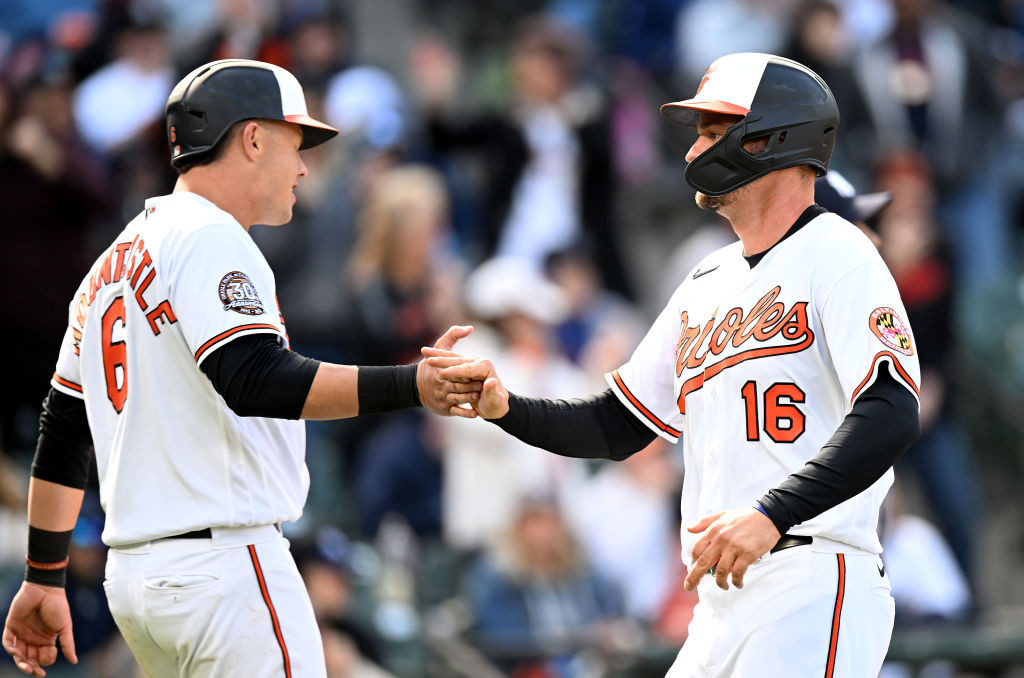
(283, 216)
(711, 202)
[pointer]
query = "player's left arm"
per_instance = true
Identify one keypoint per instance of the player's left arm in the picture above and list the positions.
(881, 426)
(39, 614)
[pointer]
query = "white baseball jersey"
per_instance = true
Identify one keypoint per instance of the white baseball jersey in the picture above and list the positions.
(181, 280)
(757, 367)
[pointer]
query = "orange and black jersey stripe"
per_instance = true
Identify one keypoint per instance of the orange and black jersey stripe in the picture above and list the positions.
(647, 414)
(258, 377)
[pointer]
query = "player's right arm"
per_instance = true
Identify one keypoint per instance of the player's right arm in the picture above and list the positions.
(223, 295)
(39, 614)
(595, 427)
(613, 424)
(257, 376)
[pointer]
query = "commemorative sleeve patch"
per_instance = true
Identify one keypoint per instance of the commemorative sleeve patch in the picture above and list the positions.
(238, 294)
(891, 330)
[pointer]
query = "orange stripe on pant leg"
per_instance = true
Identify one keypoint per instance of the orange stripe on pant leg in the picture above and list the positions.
(273, 612)
(836, 614)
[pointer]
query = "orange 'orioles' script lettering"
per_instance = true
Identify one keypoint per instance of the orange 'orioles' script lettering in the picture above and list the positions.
(764, 322)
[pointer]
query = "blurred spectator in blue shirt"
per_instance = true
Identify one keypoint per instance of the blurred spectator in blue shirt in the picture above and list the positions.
(928, 89)
(918, 258)
(535, 599)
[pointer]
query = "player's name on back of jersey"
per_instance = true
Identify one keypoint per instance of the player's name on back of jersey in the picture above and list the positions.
(126, 263)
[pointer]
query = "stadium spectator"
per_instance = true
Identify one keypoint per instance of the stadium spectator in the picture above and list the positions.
(625, 518)
(549, 176)
(918, 257)
(487, 473)
(536, 601)
(54, 191)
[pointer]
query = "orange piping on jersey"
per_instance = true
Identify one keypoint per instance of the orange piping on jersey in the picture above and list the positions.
(228, 333)
(68, 384)
(695, 383)
(273, 612)
(836, 614)
(643, 410)
(895, 363)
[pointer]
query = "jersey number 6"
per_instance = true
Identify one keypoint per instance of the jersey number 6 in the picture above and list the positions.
(783, 421)
(115, 355)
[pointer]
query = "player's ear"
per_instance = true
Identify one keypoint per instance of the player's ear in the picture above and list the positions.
(253, 139)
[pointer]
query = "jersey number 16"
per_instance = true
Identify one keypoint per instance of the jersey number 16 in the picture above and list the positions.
(784, 422)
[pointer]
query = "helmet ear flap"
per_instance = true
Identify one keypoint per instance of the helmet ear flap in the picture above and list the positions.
(726, 166)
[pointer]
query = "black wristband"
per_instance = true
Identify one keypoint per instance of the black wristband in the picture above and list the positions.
(388, 388)
(47, 558)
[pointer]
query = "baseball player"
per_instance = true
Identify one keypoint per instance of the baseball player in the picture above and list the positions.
(176, 367)
(785, 362)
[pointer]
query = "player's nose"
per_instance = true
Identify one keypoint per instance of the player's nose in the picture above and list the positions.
(698, 147)
(303, 170)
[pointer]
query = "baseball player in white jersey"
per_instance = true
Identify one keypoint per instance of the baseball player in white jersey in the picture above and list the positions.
(176, 366)
(785, 363)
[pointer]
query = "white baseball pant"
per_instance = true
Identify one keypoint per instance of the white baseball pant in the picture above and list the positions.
(818, 611)
(220, 607)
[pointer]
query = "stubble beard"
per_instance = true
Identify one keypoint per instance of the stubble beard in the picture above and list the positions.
(713, 203)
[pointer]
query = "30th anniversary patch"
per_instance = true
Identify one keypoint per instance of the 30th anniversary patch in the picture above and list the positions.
(238, 294)
(891, 330)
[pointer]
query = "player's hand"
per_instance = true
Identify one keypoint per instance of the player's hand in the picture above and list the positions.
(491, 402)
(39, 615)
(445, 396)
(732, 540)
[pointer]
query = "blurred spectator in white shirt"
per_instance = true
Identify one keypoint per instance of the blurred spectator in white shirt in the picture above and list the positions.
(119, 101)
(486, 471)
(625, 518)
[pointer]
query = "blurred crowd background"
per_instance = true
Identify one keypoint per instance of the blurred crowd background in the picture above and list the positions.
(503, 162)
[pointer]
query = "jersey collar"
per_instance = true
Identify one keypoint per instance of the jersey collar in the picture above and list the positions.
(805, 218)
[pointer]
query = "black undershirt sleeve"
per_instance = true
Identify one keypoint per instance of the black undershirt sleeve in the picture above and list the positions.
(595, 427)
(881, 426)
(257, 377)
(62, 451)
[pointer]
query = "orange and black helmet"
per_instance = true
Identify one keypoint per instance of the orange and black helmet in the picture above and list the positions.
(212, 98)
(779, 100)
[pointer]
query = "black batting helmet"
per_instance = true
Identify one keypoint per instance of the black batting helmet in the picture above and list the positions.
(212, 98)
(780, 100)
